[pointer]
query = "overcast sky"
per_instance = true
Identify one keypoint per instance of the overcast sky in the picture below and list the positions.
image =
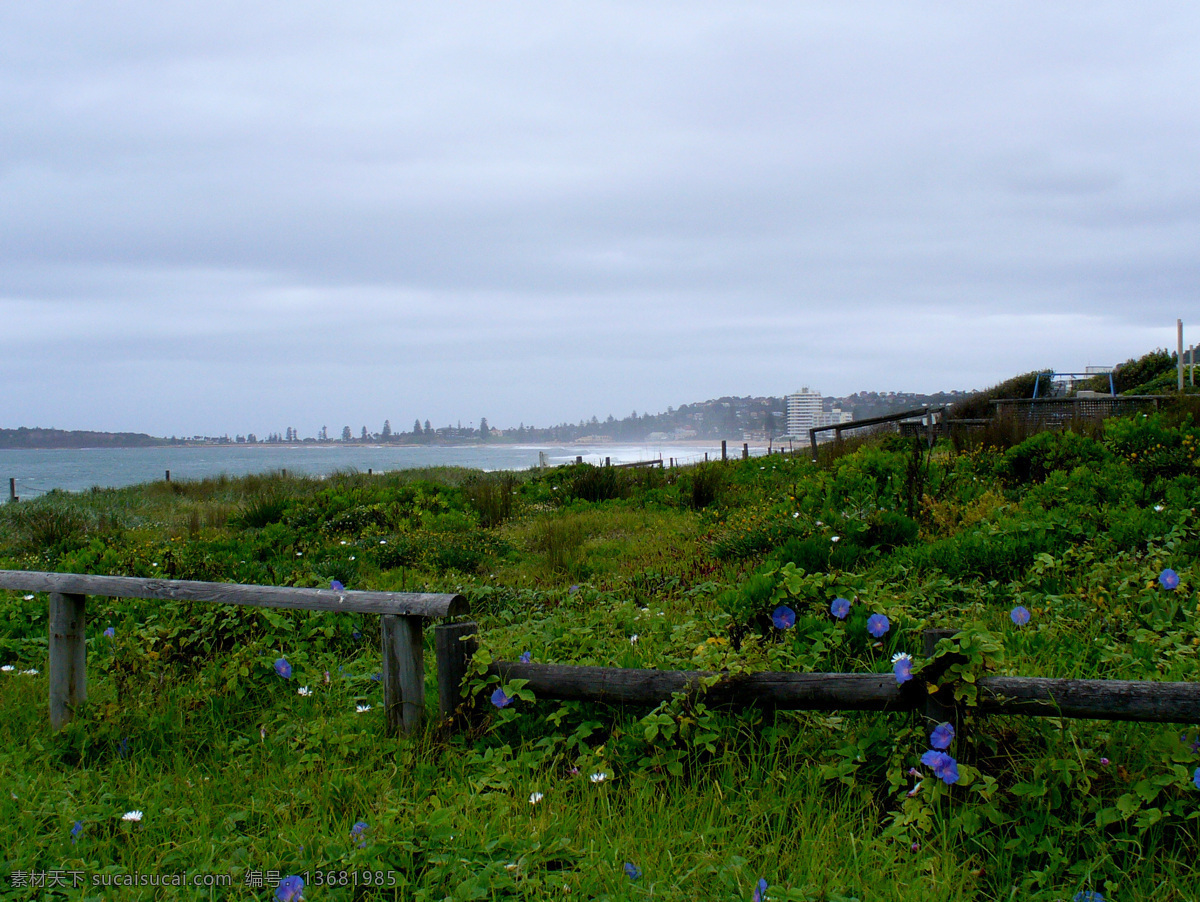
(229, 217)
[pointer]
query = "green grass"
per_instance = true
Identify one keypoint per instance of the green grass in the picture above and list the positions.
(236, 773)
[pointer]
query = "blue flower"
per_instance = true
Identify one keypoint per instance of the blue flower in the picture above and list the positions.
(1168, 579)
(573, 590)
(632, 870)
(526, 657)
(291, 889)
(283, 668)
(1089, 895)
(877, 625)
(336, 586)
(110, 633)
(357, 831)
(840, 608)
(377, 677)
(355, 635)
(499, 699)
(760, 890)
(1020, 615)
(75, 831)
(783, 617)
(1196, 777)
(123, 748)
(944, 767)
(902, 667)
(942, 736)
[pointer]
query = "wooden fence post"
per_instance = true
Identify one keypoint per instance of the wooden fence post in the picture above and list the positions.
(454, 644)
(724, 456)
(937, 709)
(403, 671)
(745, 450)
(12, 488)
(68, 657)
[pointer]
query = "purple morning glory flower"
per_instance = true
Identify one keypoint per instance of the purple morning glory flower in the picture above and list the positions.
(291, 889)
(357, 831)
(942, 736)
(1020, 615)
(336, 586)
(110, 633)
(840, 608)
(632, 870)
(902, 668)
(499, 699)
(75, 831)
(877, 625)
(526, 657)
(1168, 579)
(284, 669)
(783, 617)
(1196, 778)
(944, 767)
(760, 891)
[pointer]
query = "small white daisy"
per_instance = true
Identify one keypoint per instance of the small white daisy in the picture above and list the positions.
(633, 639)
(835, 538)
(7, 668)
(133, 816)
(536, 797)
(598, 777)
(29, 672)
(362, 709)
(1159, 508)
(304, 690)
(901, 656)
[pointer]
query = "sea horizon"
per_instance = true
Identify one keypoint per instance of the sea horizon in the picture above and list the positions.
(38, 471)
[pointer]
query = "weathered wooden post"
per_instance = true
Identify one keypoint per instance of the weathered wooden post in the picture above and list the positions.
(168, 475)
(723, 455)
(68, 657)
(578, 458)
(12, 489)
(937, 708)
(403, 671)
(454, 644)
(608, 461)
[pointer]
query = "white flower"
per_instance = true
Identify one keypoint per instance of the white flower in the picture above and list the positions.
(155, 564)
(362, 709)
(344, 542)
(633, 639)
(512, 865)
(29, 598)
(835, 538)
(795, 515)
(598, 777)
(29, 672)
(304, 690)
(536, 797)
(383, 541)
(1158, 508)
(901, 656)
(7, 668)
(351, 557)
(134, 816)
(819, 523)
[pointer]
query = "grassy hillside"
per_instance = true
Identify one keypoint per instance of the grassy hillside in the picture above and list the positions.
(240, 772)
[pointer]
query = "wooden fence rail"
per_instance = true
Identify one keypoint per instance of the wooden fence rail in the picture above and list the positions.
(1132, 700)
(402, 617)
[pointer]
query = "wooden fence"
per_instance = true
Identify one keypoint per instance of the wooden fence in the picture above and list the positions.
(1130, 700)
(402, 619)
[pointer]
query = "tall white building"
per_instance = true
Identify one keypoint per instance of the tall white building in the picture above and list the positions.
(806, 410)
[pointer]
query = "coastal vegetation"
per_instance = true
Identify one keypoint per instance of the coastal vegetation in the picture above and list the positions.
(250, 742)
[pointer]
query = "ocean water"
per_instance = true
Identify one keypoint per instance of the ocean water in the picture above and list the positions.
(73, 470)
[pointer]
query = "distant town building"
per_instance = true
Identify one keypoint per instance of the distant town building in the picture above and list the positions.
(806, 410)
